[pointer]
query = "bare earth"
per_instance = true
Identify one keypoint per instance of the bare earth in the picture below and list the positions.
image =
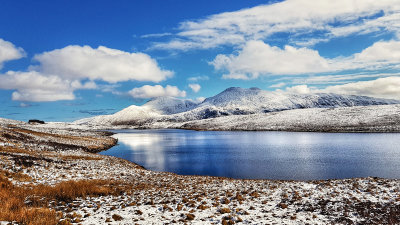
(45, 155)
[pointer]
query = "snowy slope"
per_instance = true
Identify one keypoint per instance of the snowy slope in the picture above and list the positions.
(170, 105)
(136, 115)
(232, 101)
(256, 100)
(373, 118)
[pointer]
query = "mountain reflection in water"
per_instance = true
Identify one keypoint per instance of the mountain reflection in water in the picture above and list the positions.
(262, 155)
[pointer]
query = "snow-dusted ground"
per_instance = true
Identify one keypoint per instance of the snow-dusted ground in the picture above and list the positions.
(50, 155)
(374, 118)
(381, 118)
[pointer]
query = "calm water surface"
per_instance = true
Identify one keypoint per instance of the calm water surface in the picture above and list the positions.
(262, 155)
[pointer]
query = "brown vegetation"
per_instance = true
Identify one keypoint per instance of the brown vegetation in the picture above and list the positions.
(30, 204)
(13, 208)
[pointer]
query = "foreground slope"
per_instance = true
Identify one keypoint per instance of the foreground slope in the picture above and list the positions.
(50, 173)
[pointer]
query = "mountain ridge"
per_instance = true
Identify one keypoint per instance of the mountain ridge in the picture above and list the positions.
(231, 101)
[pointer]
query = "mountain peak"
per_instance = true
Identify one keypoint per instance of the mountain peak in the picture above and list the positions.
(170, 105)
(232, 89)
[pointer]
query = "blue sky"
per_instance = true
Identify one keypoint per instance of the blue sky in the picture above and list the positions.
(65, 60)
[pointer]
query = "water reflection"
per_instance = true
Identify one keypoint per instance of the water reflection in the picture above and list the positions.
(273, 155)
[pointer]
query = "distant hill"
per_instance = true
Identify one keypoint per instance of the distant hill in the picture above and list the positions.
(232, 101)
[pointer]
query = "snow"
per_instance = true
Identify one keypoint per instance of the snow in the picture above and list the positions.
(379, 118)
(170, 105)
(172, 112)
(161, 197)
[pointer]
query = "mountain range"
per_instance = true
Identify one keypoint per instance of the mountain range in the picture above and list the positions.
(167, 112)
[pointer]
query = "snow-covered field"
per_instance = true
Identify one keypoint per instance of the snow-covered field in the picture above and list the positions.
(380, 118)
(49, 155)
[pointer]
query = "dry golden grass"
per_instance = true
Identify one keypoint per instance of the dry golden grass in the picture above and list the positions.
(30, 204)
(8, 149)
(16, 176)
(70, 190)
(13, 208)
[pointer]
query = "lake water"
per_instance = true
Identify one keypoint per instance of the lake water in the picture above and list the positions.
(262, 155)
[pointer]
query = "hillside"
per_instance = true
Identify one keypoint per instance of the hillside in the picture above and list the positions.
(167, 112)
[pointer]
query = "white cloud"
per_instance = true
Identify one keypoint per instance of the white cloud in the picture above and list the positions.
(300, 17)
(9, 52)
(62, 71)
(299, 89)
(258, 58)
(148, 91)
(381, 52)
(155, 35)
(337, 79)
(200, 99)
(195, 87)
(36, 87)
(198, 78)
(278, 85)
(33, 86)
(388, 87)
(110, 65)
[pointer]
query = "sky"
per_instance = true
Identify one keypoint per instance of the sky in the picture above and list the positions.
(70, 59)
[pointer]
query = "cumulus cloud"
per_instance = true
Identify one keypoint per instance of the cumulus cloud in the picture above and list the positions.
(33, 86)
(195, 87)
(258, 58)
(304, 18)
(148, 91)
(110, 65)
(380, 54)
(62, 71)
(388, 87)
(8, 52)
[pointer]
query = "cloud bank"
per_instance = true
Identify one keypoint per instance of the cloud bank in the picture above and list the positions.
(258, 58)
(388, 87)
(62, 71)
(310, 21)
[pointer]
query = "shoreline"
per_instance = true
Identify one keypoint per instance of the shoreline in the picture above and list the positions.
(146, 196)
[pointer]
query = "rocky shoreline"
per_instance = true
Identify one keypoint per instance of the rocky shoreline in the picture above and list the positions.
(44, 157)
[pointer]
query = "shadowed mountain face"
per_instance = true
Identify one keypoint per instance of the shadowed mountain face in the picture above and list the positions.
(232, 101)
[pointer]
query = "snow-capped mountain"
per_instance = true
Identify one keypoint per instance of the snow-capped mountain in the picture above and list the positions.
(256, 100)
(232, 101)
(170, 105)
